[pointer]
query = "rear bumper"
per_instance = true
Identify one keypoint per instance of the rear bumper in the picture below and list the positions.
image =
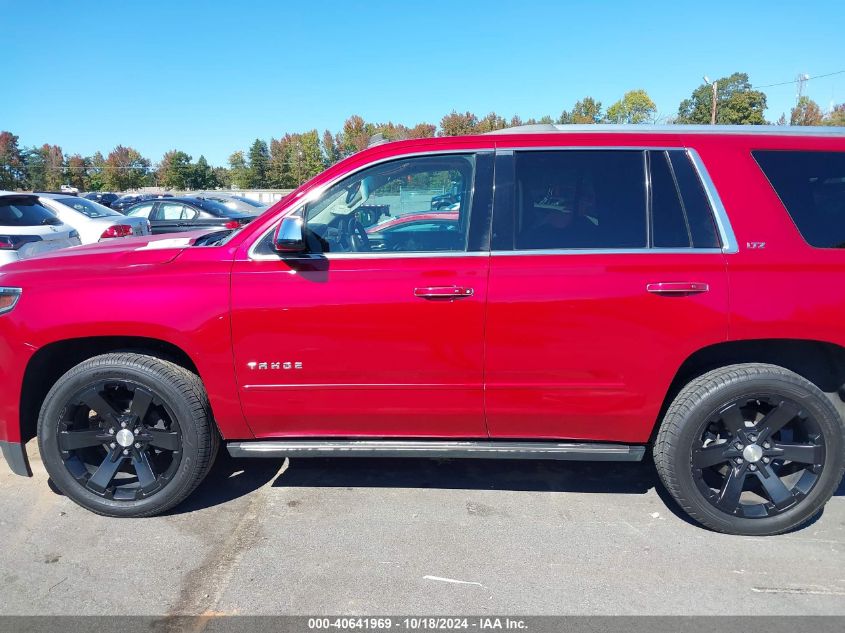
(15, 455)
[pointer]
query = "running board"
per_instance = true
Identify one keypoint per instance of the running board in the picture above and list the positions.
(438, 448)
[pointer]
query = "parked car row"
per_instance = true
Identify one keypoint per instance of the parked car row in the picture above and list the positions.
(34, 223)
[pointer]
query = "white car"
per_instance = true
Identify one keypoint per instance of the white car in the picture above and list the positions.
(28, 229)
(95, 222)
(69, 189)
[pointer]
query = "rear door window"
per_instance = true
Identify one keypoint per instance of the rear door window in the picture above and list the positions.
(811, 185)
(574, 199)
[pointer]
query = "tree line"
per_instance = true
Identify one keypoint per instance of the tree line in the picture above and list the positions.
(293, 158)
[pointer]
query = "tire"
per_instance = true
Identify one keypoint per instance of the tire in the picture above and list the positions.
(127, 435)
(745, 428)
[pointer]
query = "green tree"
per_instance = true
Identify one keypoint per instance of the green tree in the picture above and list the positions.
(585, 111)
(806, 112)
(124, 169)
(458, 124)
(238, 171)
(96, 166)
(736, 103)
(174, 170)
(836, 116)
(36, 169)
(355, 135)
(423, 130)
(202, 175)
(490, 123)
(54, 164)
(259, 159)
(222, 177)
(330, 148)
(12, 168)
(634, 107)
(77, 172)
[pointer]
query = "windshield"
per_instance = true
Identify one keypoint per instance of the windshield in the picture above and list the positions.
(25, 211)
(86, 207)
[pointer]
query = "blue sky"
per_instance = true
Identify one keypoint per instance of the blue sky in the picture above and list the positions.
(209, 77)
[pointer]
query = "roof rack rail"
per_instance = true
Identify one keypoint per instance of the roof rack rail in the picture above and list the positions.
(599, 128)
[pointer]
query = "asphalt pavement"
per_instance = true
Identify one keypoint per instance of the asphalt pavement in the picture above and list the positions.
(389, 536)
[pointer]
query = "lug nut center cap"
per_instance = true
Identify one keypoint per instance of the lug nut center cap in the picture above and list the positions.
(124, 437)
(752, 453)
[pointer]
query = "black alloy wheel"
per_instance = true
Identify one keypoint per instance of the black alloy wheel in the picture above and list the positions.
(751, 449)
(119, 440)
(126, 434)
(759, 456)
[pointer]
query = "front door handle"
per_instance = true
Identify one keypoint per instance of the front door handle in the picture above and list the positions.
(443, 292)
(677, 288)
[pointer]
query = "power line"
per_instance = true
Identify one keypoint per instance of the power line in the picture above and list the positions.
(801, 79)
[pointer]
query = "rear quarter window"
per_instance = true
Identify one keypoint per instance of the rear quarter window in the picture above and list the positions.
(811, 186)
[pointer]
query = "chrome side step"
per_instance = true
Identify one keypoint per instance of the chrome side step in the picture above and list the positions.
(437, 448)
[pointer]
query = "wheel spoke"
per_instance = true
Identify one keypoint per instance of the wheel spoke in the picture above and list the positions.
(801, 453)
(734, 420)
(731, 491)
(141, 401)
(710, 456)
(776, 419)
(166, 440)
(94, 400)
(141, 464)
(101, 479)
(778, 493)
(73, 440)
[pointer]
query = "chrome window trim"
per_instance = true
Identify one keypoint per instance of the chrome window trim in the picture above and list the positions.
(720, 215)
(315, 193)
(723, 225)
(723, 222)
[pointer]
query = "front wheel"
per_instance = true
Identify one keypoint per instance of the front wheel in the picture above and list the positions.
(751, 449)
(127, 435)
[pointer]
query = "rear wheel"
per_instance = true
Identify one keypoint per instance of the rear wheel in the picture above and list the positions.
(127, 435)
(751, 449)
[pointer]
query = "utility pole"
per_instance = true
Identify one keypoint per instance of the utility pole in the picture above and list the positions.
(715, 86)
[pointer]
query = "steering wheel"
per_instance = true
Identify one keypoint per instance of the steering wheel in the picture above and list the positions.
(352, 235)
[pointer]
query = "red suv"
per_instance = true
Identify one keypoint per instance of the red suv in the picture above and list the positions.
(598, 293)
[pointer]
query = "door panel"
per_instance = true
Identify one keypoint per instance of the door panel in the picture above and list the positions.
(578, 348)
(355, 341)
(589, 322)
(356, 353)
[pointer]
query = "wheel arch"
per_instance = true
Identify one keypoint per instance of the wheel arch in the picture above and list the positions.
(820, 362)
(51, 361)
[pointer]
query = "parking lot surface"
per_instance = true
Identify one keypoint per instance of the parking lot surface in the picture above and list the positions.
(408, 537)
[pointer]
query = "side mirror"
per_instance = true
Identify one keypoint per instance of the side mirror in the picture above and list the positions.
(289, 238)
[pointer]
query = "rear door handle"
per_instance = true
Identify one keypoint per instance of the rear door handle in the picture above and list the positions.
(677, 288)
(443, 292)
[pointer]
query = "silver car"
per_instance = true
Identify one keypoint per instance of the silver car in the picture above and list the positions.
(94, 221)
(28, 229)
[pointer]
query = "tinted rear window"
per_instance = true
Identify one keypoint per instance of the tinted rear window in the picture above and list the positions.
(580, 199)
(25, 211)
(811, 186)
